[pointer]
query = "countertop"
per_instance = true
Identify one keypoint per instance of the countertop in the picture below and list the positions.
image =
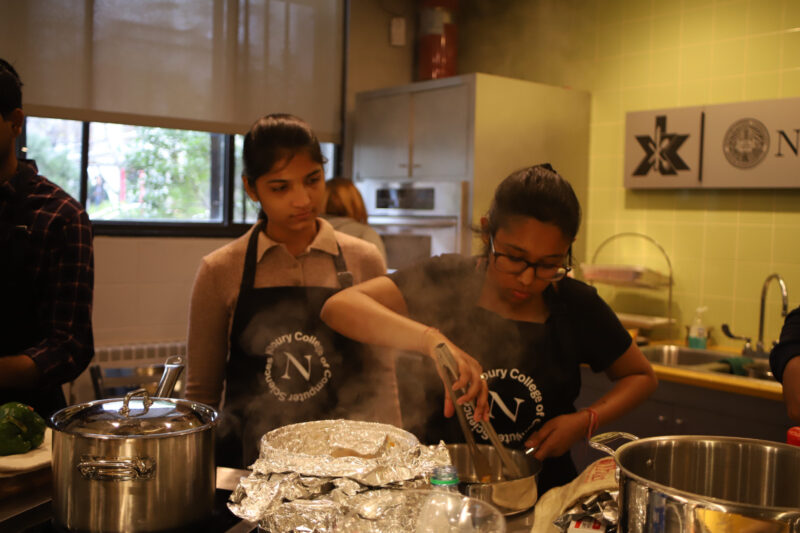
(31, 509)
(760, 388)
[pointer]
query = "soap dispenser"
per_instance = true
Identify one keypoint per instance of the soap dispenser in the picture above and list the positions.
(698, 333)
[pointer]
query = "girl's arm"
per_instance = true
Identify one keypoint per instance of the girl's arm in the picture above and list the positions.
(634, 381)
(374, 312)
(791, 387)
(207, 343)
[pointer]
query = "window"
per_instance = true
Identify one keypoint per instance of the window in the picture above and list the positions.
(157, 174)
(244, 209)
(56, 147)
(139, 180)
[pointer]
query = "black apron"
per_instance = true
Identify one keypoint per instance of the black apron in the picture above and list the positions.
(285, 365)
(20, 296)
(531, 379)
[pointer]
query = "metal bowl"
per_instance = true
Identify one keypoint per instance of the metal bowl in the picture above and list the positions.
(509, 495)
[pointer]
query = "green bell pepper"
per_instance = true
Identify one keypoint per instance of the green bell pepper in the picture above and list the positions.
(21, 428)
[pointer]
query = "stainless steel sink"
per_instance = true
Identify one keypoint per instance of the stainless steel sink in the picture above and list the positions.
(703, 360)
(672, 355)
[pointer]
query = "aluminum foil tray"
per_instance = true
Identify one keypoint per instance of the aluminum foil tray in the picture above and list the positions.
(314, 475)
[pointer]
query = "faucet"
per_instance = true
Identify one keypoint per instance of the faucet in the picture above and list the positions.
(747, 351)
(758, 351)
(784, 310)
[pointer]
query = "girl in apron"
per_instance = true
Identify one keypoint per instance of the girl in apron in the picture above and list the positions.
(515, 310)
(254, 320)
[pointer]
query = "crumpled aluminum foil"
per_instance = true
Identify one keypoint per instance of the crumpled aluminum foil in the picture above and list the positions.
(601, 506)
(331, 475)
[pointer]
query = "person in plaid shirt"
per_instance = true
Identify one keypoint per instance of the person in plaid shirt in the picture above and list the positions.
(46, 273)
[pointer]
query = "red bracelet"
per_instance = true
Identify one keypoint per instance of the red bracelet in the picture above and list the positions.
(593, 422)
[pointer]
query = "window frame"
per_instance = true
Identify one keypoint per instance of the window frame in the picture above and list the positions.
(226, 227)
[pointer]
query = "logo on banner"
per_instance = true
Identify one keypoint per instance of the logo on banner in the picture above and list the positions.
(515, 405)
(296, 367)
(661, 151)
(746, 143)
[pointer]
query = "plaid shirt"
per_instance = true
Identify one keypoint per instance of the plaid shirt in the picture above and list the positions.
(60, 263)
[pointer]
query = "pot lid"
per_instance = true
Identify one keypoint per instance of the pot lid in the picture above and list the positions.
(136, 415)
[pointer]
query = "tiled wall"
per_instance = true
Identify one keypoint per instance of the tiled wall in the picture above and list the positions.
(143, 287)
(648, 54)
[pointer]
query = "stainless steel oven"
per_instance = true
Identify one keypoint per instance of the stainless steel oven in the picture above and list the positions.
(418, 219)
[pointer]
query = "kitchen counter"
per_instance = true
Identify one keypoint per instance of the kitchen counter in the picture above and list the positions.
(759, 388)
(31, 509)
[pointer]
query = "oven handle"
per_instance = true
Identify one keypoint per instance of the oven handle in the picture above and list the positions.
(416, 224)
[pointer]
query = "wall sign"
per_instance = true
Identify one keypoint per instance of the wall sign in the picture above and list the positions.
(745, 145)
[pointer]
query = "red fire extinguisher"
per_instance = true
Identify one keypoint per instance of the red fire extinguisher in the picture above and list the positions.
(438, 39)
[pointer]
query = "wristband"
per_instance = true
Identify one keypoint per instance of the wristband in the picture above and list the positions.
(593, 422)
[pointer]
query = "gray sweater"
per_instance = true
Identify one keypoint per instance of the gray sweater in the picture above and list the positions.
(357, 229)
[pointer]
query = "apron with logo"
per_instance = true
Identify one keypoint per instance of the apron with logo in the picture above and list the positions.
(286, 365)
(531, 380)
(19, 296)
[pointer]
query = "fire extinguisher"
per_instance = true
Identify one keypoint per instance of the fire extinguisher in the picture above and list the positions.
(438, 39)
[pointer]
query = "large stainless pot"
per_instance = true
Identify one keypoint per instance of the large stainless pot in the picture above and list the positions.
(133, 464)
(706, 484)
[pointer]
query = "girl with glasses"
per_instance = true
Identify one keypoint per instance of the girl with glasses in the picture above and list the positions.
(515, 312)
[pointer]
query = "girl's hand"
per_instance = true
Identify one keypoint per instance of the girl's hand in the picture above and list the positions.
(469, 371)
(559, 434)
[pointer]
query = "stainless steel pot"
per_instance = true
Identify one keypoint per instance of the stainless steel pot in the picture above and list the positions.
(508, 494)
(133, 464)
(706, 484)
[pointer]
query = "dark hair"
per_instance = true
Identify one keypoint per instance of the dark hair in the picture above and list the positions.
(10, 89)
(275, 137)
(538, 192)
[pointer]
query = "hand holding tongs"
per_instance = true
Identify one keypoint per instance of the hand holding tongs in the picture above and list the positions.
(482, 469)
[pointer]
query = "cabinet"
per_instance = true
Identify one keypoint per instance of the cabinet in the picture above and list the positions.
(413, 134)
(677, 409)
(475, 128)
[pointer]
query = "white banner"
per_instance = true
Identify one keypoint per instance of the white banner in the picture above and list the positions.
(744, 145)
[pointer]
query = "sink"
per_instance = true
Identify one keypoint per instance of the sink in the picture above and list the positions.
(703, 360)
(672, 355)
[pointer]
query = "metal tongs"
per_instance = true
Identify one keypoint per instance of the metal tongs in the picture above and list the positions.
(482, 468)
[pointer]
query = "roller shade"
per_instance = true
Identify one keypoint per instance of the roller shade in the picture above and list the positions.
(214, 65)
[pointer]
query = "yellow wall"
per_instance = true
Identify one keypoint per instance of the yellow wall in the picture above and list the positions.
(647, 54)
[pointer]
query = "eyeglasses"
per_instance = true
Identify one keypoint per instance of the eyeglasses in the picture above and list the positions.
(509, 264)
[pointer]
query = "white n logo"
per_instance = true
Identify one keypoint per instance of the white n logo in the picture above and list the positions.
(305, 372)
(503, 407)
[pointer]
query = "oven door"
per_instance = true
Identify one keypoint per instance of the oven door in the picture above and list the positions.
(430, 199)
(409, 240)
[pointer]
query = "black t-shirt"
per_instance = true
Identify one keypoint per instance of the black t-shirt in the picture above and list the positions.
(533, 368)
(789, 345)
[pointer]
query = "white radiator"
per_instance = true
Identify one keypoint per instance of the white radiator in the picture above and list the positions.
(122, 355)
(126, 354)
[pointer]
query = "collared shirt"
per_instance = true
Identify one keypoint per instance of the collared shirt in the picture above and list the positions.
(61, 265)
(216, 291)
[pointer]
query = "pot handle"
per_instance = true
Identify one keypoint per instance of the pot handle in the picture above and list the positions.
(173, 367)
(146, 402)
(599, 442)
(117, 469)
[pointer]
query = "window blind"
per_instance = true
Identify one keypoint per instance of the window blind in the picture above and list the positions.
(214, 65)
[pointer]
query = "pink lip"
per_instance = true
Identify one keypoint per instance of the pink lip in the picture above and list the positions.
(520, 295)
